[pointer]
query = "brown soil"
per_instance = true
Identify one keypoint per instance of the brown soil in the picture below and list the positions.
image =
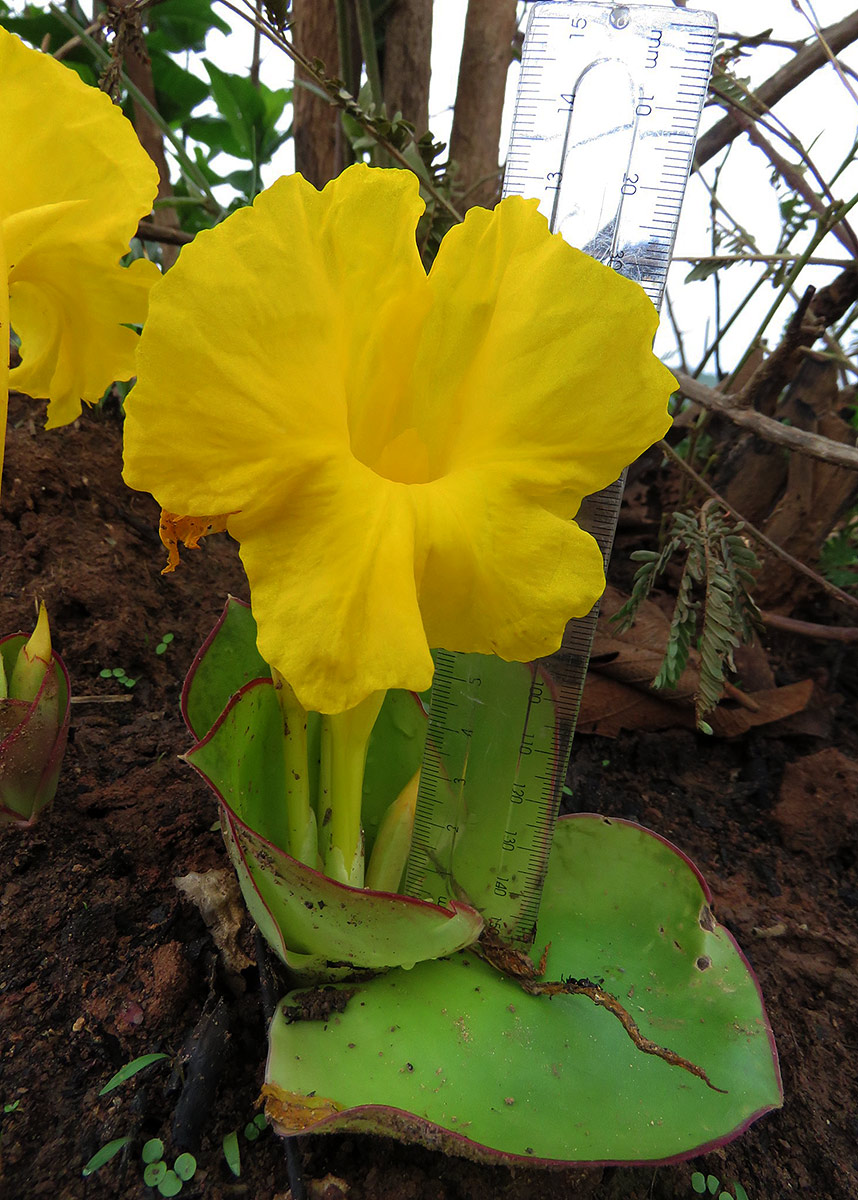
(103, 959)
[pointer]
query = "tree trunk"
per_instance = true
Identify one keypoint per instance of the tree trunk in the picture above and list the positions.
(316, 123)
(407, 52)
(138, 68)
(486, 53)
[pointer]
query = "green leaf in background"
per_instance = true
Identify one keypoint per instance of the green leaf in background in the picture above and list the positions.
(177, 91)
(250, 111)
(214, 132)
(104, 1155)
(129, 1070)
(241, 105)
(179, 25)
(231, 1153)
(457, 1056)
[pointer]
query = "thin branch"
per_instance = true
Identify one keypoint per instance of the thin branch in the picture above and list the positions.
(727, 260)
(839, 454)
(677, 332)
(806, 61)
(339, 97)
(757, 534)
(257, 47)
(824, 227)
(150, 231)
(809, 629)
(366, 32)
(74, 42)
(794, 179)
(814, 24)
(749, 120)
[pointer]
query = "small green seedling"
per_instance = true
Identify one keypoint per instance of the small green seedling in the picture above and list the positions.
(129, 1070)
(104, 1155)
(107, 1152)
(154, 1173)
(710, 1185)
(152, 1151)
(164, 643)
(254, 1128)
(231, 1153)
(117, 673)
(8, 1109)
(157, 1174)
(231, 1150)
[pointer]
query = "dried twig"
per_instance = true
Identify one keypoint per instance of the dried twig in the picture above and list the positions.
(602, 999)
(150, 231)
(519, 967)
(729, 260)
(795, 180)
(809, 629)
(778, 368)
(809, 59)
(839, 454)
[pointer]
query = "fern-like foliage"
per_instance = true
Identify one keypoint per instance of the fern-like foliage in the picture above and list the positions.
(714, 610)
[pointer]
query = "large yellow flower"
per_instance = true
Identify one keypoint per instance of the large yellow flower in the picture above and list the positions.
(401, 456)
(74, 183)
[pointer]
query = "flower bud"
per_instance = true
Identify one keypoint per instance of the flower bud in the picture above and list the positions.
(34, 717)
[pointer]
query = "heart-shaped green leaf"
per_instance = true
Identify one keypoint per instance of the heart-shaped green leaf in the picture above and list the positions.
(457, 1056)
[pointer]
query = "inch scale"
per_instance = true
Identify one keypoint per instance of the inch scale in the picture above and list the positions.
(605, 123)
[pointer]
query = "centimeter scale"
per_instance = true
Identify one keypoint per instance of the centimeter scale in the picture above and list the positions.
(606, 116)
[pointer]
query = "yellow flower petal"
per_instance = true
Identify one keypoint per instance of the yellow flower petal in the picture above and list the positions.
(332, 585)
(502, 573)
(559, 382)
(300, 314)
(65, 312)
(402, 456)
(75, 183)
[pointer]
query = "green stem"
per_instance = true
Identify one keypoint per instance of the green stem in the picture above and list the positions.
(301, 820)
(344, 45)
(366, 29)
(345, 738)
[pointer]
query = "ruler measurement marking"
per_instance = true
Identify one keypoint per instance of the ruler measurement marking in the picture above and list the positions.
(667, 61)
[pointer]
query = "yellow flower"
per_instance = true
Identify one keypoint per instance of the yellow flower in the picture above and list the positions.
(74, 183)
(401, 455)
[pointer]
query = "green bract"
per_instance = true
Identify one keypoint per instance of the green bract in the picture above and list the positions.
(33, 732)
(317, 926)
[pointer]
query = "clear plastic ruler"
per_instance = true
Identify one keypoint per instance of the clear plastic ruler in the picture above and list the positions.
(606, 117)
